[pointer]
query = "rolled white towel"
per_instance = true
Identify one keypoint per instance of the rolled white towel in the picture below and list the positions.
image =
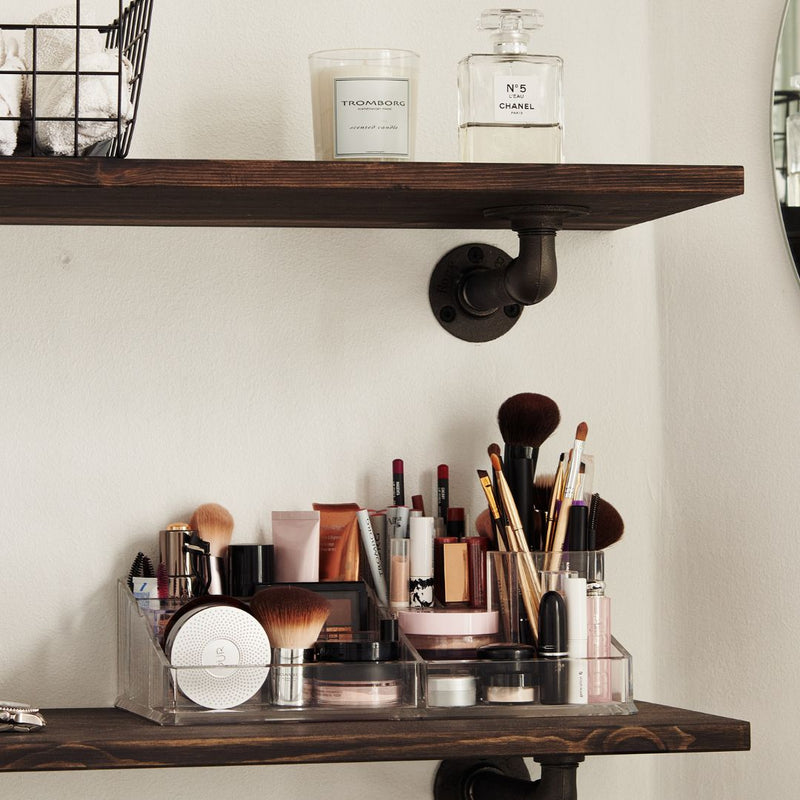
(55, 46)
(10, 95)
(97, 97)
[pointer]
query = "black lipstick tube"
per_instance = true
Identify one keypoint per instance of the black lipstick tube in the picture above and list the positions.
(552, 648)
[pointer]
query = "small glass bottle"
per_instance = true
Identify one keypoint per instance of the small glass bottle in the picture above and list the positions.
(510, 102)
(598, 608)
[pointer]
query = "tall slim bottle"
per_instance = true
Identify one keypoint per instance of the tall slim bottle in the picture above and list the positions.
(598, 617)
(510, 101)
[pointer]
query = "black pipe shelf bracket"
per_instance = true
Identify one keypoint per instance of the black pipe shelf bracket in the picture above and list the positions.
(477, 291)
(507, 779)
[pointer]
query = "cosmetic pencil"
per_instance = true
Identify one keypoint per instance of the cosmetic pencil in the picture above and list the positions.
(398, 489)
(442, 490)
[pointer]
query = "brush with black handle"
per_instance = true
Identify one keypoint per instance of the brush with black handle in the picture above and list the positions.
(525, 421)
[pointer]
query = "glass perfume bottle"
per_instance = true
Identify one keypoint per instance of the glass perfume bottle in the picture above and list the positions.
(510, 101)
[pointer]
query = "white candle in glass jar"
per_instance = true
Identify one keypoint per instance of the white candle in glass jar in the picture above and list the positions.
(364, 104)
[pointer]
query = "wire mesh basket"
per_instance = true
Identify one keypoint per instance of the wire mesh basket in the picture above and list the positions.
(80, 83)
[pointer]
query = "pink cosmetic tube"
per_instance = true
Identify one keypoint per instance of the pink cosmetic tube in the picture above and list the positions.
(295, 535)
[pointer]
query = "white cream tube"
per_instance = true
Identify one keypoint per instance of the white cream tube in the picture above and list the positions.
(577, 634)
(373, 554)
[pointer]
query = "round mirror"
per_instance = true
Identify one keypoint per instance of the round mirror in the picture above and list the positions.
(786, 126)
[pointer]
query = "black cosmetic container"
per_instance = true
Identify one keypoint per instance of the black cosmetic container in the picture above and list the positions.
(553, 667)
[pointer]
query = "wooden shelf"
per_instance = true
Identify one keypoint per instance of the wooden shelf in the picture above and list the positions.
(107, 191)
(107, 738)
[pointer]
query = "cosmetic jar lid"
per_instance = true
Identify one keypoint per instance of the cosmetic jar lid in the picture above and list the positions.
(360, 651)
(507, 652)
(443, 622)
(451, 683)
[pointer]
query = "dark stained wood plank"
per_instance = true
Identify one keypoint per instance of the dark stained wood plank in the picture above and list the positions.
(114, 739)
(98, 191)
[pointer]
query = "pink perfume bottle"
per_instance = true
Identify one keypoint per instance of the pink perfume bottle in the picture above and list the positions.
(598, 613)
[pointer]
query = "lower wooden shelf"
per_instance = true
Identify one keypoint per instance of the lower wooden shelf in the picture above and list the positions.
(108, 738)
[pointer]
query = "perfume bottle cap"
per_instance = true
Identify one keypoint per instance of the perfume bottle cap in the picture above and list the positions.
(511, 25)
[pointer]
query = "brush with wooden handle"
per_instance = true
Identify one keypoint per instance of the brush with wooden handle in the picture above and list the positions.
(570, 484)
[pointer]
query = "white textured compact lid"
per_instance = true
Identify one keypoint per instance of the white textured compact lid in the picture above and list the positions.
(228, 651)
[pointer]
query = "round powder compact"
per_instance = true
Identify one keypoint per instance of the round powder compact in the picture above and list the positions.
(458, 690)
(445, 635)
(231, 647)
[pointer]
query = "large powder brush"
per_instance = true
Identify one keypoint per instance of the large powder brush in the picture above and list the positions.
(293, 618)
(214, 524)
(525, 421)
(528, 419)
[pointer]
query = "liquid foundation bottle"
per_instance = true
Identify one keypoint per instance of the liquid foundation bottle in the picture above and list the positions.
(510, 101)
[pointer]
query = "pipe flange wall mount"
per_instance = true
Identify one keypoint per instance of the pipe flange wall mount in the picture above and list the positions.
(477, 291)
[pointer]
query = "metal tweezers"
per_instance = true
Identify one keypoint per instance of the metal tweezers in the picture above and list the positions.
(19, 717)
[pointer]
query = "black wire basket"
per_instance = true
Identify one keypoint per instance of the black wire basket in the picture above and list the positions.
(80, 130)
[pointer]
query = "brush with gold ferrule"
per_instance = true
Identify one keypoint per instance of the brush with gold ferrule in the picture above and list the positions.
(570, 484)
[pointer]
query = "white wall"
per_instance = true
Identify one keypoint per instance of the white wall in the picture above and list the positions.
(148, 370)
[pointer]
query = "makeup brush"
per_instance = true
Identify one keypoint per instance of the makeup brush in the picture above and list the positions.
(293, 618)
(214, 524)
(525, 421)
(528, 577)
(570, 485)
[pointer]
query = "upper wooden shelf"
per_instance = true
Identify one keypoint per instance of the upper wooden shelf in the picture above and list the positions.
(107, 738)
(107, 191)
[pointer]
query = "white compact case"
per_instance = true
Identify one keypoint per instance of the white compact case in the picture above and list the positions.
(225, 652)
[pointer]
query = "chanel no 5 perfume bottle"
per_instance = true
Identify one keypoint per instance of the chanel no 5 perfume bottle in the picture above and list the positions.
(510, 101)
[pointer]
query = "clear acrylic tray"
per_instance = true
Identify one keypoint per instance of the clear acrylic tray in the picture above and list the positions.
(148, 685)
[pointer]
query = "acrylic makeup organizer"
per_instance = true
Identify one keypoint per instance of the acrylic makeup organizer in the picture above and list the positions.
(148, 684)
(128, 34)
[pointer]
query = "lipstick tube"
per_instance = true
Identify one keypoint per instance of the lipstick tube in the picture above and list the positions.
(442, 490)
(553, 649)
(398, 490)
